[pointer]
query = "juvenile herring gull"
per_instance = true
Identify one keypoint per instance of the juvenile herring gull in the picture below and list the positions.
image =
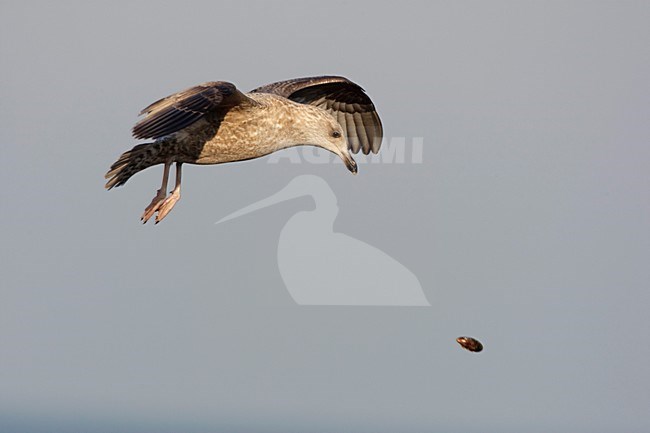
(214, 123)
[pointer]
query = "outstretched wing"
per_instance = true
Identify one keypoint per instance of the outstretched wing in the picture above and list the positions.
(345, 100)
(180, 110)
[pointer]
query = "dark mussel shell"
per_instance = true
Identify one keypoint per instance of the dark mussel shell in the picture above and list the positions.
(469, 343)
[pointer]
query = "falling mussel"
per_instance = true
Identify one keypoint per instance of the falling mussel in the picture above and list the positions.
(469, 343)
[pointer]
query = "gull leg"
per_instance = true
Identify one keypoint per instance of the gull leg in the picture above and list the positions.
(169, 203)
(159, 198)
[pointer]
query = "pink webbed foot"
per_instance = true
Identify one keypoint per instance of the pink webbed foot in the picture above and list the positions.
(167, 205)
(154, 206)
(163, 203)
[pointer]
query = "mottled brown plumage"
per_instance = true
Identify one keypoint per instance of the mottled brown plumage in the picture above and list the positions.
(214, 123)
(343, 99)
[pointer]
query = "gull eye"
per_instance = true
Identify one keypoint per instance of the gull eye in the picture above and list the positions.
(336, 134)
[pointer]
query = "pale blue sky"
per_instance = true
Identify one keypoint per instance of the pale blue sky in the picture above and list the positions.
(526, 223)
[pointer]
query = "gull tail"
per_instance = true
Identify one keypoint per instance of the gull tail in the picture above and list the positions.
(129, 163)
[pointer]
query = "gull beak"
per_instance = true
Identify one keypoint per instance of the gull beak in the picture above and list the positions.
(349, 162)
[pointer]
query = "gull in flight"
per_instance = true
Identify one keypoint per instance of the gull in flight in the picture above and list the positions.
(215, 123)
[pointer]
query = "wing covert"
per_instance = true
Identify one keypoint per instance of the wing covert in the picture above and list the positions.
(180, 110)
